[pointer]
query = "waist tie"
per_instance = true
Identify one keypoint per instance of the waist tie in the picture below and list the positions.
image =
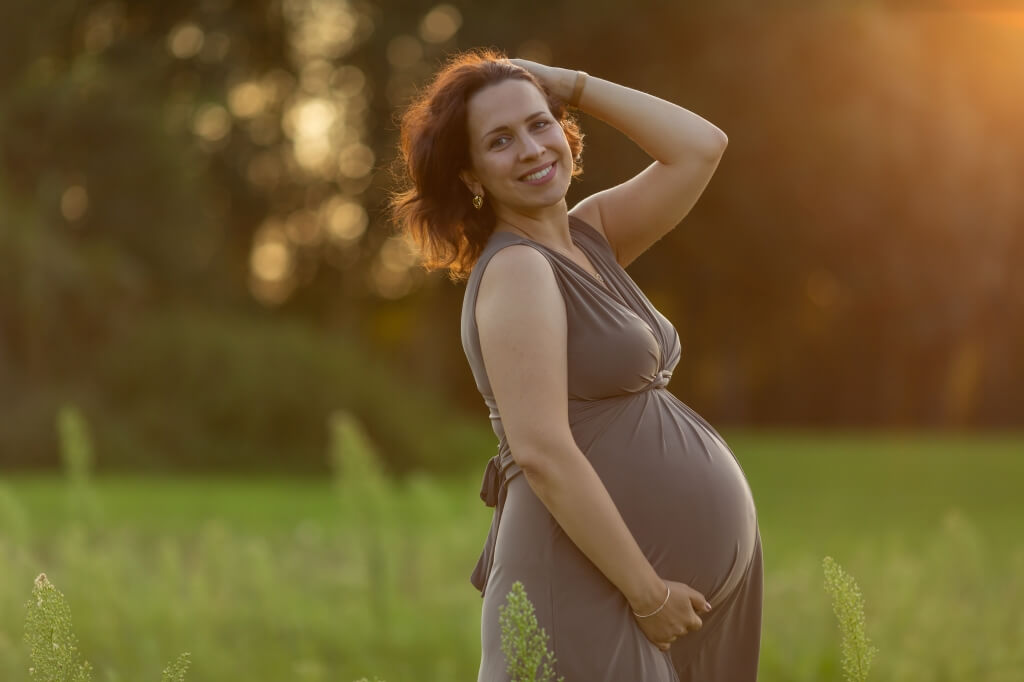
(493, 491)
(660, 380)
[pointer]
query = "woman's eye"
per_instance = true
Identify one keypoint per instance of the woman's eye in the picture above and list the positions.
(498, 141)
(541, 124)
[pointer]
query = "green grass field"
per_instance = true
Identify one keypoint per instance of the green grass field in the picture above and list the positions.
(298, 579)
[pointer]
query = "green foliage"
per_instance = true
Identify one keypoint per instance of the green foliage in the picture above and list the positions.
(52, 644)
(175, 672)
(522, 642)
(262, 578)
(196, 390)
(848, 606)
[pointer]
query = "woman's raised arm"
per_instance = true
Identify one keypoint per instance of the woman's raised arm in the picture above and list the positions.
(686, 148)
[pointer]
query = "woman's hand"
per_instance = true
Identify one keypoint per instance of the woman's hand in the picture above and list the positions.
(677, 618)
(558, 81)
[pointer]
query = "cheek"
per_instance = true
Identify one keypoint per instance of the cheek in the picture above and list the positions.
(564, 142)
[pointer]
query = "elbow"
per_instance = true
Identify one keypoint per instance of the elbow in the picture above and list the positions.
(716, 148)
(709, 148)
(542, 458)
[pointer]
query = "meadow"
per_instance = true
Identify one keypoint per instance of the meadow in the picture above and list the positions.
(273, 578)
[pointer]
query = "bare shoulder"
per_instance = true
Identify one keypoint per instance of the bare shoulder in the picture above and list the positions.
(517, 272)
(518, 291)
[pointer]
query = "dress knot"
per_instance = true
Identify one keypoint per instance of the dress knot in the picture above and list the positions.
(660, 379)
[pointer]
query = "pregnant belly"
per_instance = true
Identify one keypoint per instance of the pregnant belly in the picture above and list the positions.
(676, 484)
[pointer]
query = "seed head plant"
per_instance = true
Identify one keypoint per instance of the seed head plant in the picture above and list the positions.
(52, 645)
(175, 672)
(522, 642)
(848, 605)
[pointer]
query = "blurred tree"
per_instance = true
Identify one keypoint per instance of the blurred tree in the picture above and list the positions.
(853, 260)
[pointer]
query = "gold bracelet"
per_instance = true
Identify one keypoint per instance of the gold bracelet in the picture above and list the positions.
(577, 89)
(657, 609)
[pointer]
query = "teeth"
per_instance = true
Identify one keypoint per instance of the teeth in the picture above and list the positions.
(539, 174)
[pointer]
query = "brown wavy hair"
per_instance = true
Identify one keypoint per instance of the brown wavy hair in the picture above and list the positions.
(435, 207)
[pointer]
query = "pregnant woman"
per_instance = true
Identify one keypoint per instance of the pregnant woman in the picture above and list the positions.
(632, 526)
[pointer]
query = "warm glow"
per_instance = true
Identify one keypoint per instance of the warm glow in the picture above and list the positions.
(74, 202)
(247, 99)
(321, 29)
(308, 122)
(440, 24)
(185, 40)
(312, 117)
(396, 254)
(346, 220)
(211, 122)
(388, 283)
(390, 272)
(271, 258)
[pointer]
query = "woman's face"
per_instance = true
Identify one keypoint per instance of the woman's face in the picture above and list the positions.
(520, 155)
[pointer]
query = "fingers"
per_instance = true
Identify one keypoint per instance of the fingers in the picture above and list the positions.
(699, 603)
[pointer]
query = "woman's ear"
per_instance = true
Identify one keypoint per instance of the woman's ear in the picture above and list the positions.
(472, 184)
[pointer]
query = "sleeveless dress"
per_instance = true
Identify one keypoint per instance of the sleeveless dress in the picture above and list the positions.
(674, 480)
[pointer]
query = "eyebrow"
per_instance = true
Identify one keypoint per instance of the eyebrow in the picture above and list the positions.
(503, 127)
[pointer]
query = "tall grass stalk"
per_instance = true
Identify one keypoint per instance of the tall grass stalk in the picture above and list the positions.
(366, 496)
(77, 456)
(848, 605)
(522, 642)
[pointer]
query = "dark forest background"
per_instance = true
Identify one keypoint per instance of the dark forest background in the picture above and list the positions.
(193, 247)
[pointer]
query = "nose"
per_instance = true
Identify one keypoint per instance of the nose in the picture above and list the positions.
(530, 147)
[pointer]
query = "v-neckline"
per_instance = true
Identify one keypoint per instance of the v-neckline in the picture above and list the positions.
(600, 283)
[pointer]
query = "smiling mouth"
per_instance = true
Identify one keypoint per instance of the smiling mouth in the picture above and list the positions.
(541, 174)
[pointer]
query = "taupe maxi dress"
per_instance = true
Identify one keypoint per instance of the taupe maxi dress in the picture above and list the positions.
(676, 483)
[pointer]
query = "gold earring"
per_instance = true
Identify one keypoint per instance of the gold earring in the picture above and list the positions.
(478, 201)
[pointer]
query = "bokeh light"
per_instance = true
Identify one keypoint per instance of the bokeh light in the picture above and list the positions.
(211, 122)
(345, 218)
(440, 24)
(74, 202)
(247, 99)
(185, 40)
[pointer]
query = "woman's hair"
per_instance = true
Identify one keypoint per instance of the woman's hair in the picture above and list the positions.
(435, 209)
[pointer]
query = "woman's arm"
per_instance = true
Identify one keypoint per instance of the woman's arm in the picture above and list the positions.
(521, 319)
(686, 148)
